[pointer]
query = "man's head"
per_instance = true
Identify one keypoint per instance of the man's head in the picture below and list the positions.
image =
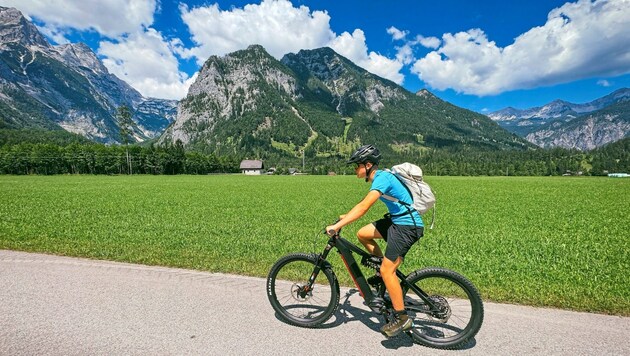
(366, 159)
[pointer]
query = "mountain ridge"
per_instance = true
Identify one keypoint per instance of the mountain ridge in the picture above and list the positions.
(556, 124)
(66, 87)
(318, 102)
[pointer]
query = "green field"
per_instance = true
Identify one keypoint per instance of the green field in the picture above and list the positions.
(559, 242)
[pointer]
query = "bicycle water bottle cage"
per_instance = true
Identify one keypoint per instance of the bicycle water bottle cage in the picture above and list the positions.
(372, 261)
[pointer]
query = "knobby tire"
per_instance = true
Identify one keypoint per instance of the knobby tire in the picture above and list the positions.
(453, 293)
(309, 310)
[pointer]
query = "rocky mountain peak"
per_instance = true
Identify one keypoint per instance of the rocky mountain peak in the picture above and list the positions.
(350, 85)
(15, 28)
(66, 86)
(80, 55)
(323, 63)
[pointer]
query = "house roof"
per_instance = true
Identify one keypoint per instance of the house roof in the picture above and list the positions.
(251, 164)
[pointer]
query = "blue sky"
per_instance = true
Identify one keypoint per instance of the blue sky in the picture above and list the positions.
(481, 55)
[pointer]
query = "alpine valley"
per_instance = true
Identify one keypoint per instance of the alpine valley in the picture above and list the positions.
(67, 87)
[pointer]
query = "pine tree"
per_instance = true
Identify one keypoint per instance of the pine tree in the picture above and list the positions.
(125, 124)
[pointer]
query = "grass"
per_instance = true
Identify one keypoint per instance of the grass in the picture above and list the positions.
(543, 241)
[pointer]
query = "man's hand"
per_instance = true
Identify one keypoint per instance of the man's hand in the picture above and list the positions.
(330, 228)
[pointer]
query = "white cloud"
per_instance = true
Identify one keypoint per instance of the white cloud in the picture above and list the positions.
(603, 82)
(279, 27)
(274, 24)
(579, 40)
(108, 17)
(397, 34)
(146, 61)
(405, 54)
(353, 46)
(428, 42)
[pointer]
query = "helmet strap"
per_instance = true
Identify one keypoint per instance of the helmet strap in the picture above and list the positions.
(368, 172)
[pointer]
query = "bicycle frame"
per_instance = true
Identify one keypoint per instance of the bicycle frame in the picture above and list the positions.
(346, 248)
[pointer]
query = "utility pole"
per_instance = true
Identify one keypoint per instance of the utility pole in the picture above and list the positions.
(302, 161)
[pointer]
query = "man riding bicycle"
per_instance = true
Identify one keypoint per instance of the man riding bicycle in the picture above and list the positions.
(401, 228)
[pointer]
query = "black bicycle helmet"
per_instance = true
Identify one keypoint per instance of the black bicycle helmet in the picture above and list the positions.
(367, 153)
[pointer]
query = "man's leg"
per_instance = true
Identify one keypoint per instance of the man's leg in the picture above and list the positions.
(400, 321)
(366, 236)
(388, 272)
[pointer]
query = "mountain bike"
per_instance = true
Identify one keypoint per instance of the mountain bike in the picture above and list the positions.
(446, 308)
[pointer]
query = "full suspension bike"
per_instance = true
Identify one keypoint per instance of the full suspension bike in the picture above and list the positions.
(446, 308)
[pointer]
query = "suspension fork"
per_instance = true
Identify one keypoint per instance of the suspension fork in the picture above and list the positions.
(321, 262)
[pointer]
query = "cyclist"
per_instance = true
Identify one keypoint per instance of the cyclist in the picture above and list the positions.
(401, 228)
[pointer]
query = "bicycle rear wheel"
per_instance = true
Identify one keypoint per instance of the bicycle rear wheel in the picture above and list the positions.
(457, 314)
(288, 293)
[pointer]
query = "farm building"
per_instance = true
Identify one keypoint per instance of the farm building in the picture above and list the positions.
(252, 167)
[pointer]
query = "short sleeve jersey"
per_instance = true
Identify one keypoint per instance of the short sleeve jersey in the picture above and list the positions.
(387, 184)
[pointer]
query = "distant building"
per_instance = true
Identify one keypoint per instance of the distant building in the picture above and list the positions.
(619, 175)
(252, 167)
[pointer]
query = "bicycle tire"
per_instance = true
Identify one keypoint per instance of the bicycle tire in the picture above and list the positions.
(453, 293)
(285, 279)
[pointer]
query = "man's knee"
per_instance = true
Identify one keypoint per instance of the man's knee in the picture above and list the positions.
(389, 267)
(365, 234)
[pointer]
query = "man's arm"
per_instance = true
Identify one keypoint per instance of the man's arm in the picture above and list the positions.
(358, 211)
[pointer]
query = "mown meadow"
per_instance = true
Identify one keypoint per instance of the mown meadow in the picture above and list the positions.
(544, 241)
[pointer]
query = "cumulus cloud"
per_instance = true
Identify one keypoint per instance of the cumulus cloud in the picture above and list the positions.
(279, 27)
(579, 40)
(274, 24)
(353, 46)
(146, 61)
(397, 34)
(107, 17)
(428, 42)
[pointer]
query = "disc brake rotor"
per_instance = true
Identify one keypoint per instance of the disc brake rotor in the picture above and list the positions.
(444, 309)
(300, 292)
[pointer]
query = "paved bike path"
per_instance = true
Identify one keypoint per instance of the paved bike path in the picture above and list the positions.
(51, 305)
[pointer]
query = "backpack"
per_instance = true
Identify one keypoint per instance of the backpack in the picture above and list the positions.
(410, 176)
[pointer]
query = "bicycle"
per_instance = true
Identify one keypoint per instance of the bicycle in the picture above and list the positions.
(446, 308)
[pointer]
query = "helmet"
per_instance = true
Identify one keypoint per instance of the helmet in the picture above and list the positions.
(367, 153)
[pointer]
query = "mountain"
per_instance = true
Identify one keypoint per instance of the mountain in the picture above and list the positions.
(319, 103)
(557, 114)
(586, 132)
(67, 87)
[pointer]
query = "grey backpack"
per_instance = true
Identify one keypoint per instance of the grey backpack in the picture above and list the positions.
(411, 176)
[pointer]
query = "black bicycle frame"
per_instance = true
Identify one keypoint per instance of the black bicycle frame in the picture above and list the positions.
(345, 248)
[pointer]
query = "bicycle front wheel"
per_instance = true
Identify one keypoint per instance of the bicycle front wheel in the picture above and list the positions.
(293, 300)
(454, 314)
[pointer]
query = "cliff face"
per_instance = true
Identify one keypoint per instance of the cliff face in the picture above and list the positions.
(66, 86)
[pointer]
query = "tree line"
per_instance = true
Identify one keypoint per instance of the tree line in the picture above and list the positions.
(76, 158)
(67, 156)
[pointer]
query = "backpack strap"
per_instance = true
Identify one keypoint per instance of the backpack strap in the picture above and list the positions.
(410, 209)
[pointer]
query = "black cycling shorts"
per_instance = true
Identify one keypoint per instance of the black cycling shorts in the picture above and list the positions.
(399, 238)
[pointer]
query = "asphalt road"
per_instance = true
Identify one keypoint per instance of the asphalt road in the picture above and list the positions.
(52, 305)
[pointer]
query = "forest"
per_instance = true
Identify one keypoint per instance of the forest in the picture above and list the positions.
(53, 152)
